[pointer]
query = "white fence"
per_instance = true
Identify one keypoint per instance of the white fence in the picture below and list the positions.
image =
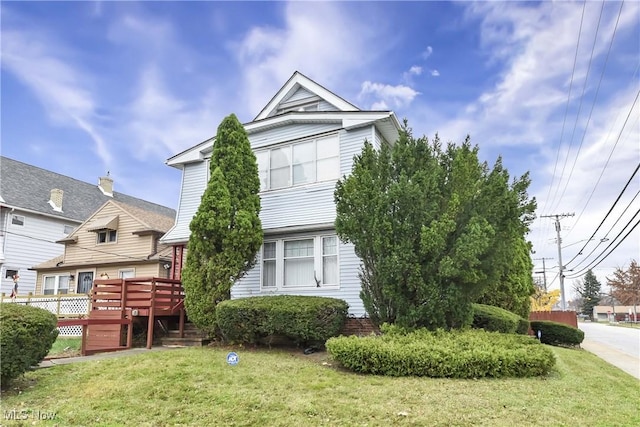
(60, 305)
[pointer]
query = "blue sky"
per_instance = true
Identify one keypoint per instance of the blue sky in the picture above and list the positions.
(121, 86)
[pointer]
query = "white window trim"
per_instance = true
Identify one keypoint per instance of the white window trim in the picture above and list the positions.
(56, 285)
(123, 270)
(289, 145)
(106, 242)
(318, 264)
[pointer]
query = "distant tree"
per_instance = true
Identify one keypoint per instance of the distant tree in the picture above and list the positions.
(625, 284)
(226, 232)
(429, 224)
(544, 301)
(589, 290)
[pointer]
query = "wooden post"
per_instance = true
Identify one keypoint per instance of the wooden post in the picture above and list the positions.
(58, 306)
(152, 306)
(83, 346)
(130, 333)
(181, 323)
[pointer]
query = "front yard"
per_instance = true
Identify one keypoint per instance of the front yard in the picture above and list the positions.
(278, 388)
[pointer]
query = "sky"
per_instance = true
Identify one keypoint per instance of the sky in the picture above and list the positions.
(551, 87)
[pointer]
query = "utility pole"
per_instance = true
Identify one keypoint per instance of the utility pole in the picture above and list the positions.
(544, 271)
(558, 217)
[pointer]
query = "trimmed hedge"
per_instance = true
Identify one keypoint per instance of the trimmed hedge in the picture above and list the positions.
(496, 319)
(555, 333)
(523, 327)
(449, 354)
(26, 336)
(303, 319)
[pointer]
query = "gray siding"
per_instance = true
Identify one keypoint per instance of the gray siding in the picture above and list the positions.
(289, 133)
(29, 245)
(325, 106)
(349, 289)
(301, 93)
(194, 182)
(351, 143)
(312, 204)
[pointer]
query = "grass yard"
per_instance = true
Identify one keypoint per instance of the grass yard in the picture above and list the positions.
(65, 347)
(277, 388)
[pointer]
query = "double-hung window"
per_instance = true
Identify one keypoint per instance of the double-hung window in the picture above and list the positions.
(55, 285)
(304, 262)
(304, 162)
(107, 236)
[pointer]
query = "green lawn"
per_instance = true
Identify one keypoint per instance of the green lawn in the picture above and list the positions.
(65, 347)
(278, 388)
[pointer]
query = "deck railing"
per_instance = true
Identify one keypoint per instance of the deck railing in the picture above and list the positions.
(62, 305)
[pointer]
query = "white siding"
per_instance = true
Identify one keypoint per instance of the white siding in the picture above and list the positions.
(194, 182)
(301, 93)
(311, 204)
(349, 290)
(325, 106)
(29, 245)
(289, 133)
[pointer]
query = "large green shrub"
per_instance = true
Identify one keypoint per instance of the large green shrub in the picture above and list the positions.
(26, 336)
(496, 319)
(303, 319)
(555, 333)
(523, 326)
(453, 354)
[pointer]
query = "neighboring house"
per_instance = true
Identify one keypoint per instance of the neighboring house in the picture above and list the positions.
(619, 313)
(39, 208)
(304, 140)
(117, 241)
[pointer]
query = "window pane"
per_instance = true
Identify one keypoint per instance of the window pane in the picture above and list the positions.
(279, 178)
(112, 235)
(330, 270)
(328, 169)
(280, 172)
(299, 272)
(303, 153)
(63, 284)
(269, 273)
(263, 168)
(303, 163)
(298, 248)
(328, 147)
(280, 158)
(329, 245)
(269, 250)
(49, 285)
(102, 237)
(126, 274)
(304, 172)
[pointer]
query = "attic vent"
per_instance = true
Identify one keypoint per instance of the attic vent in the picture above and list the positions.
(105, 184)
(56, 199)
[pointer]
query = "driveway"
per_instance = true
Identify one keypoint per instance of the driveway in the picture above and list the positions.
(617, 345)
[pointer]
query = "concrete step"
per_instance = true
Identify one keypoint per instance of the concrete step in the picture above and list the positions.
(184, 342)
(188, 333)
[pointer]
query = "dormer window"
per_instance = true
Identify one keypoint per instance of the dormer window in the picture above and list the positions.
(107, 236)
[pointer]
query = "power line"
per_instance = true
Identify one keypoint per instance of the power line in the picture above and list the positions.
(604, 67)
(558, 217)
(584, 87)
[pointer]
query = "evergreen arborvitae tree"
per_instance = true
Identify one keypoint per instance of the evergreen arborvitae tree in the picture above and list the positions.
(428, 224)
(589, 290)
(226, 232)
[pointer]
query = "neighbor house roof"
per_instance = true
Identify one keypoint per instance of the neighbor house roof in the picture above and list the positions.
(28, 187)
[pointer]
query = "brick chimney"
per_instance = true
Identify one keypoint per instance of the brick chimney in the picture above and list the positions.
(56, 199)
(105, 184)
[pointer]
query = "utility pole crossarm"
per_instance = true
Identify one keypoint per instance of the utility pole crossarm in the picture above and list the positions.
(557, 218)
(544, 271)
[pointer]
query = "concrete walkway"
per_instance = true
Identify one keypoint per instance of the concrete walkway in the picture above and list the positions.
(618, 346)
(99, 356)
(624, 361)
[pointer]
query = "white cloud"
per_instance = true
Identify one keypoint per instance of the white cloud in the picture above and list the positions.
(398, 96)
(321, 40)
(435, 73)
(415, 70)
(45, 69)
(380, 105)
(427, 52)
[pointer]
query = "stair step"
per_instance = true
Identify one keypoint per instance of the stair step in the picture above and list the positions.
(188, 333)
(184, 342)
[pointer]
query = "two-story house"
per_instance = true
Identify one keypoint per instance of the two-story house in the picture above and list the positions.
(304, 140)
(38, 208)
(117, 241)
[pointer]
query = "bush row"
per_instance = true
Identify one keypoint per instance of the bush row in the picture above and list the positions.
(306, 320)
(26, 336)
(555, 333)
(453, 354)
(496, 319)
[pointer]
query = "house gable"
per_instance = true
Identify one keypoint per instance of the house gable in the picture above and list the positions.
(300, 92)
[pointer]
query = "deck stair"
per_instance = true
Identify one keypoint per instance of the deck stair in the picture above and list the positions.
(192, 337)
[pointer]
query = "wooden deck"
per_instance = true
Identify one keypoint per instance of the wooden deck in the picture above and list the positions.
(114, 304)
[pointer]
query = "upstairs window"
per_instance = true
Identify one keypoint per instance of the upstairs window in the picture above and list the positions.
(107, 236)
(304, 162)
(68, 229)
(17, 220)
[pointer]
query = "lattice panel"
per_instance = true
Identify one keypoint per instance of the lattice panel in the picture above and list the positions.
(70, 331)
(69, 306)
